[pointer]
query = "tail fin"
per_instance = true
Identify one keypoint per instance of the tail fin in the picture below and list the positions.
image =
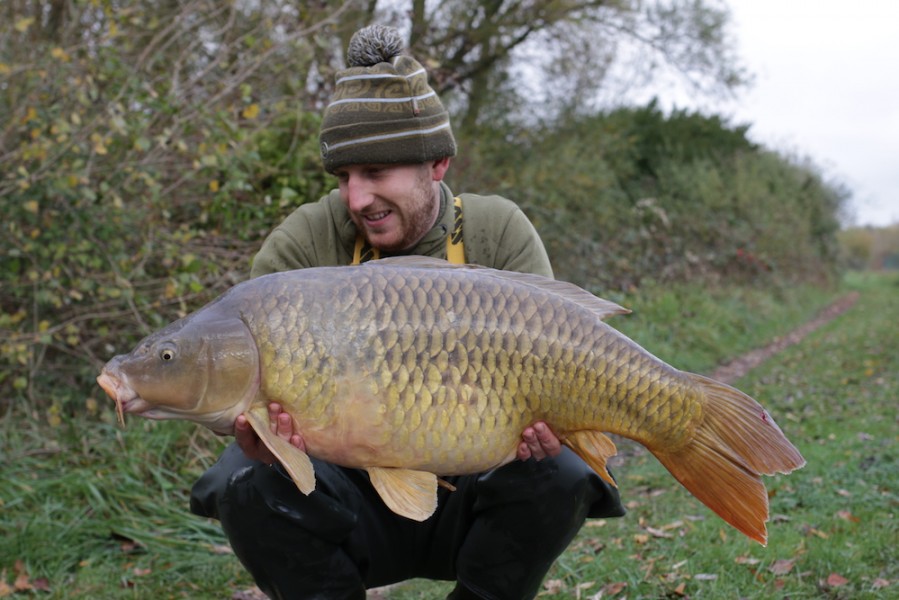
(736, 442)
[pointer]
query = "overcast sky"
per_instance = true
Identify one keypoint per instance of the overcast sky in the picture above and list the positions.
(827, 87)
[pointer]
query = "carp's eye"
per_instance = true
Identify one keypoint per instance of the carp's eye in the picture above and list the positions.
(167, 354)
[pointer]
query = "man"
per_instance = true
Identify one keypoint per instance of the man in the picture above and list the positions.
(387, 138)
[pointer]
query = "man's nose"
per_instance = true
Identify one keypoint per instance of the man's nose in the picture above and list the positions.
(358, 194)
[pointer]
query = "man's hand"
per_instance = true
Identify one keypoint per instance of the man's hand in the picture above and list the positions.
(538, 441)
(281, 425)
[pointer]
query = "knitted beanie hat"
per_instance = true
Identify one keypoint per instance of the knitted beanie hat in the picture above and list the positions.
(383, 110)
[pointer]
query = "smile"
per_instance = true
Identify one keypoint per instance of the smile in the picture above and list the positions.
(376, 217)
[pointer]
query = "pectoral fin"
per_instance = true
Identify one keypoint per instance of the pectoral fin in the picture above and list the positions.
(412, 494)
(595, 449)
(294, 460)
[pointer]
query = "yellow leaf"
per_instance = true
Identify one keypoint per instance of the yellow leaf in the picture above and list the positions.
(30, 115)
(60, 54)
(214, 185)
(5, 69)
(53, 417)
(31, 206)
(251, 112)
(23, 24)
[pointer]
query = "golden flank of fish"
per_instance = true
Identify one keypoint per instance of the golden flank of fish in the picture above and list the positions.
(411, 369)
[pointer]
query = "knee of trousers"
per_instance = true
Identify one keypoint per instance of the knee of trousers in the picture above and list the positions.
(292, 544)
(246, 495)
(565, 483)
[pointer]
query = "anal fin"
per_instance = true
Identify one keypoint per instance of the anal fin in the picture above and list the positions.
(412, 494)
(594, 448)
(294, 460)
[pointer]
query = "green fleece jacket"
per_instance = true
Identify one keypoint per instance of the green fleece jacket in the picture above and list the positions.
(495, 233)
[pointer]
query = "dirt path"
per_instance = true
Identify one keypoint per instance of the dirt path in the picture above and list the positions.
(740, 366)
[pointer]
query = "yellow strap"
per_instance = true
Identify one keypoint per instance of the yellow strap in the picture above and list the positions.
(455, 249)
(364, 251)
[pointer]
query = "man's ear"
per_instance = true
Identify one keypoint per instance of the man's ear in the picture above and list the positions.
(439, 168)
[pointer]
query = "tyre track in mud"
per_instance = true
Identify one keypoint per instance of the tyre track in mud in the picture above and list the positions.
(740, 366)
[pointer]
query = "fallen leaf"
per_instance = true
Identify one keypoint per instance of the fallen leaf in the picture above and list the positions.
(681, 589)
(782, 566)
(844, 493)
(835, 580)
(746, 560)
(641, 538)
(614, 588)
(658, 533)
(554, 586)
(779, 518)
(705, 577)
(847, 516)
(21, 583)
(809, 530)
(880, 583)
(581, 587)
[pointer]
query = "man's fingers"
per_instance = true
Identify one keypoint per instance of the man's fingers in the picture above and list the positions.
(530, 446)
(284, 428)
(274, 410)
(538, 441)
(549, 443)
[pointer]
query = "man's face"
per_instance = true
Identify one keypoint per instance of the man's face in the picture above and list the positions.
(393, 205)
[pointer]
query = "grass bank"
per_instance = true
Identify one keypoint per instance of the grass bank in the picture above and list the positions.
(88, 510)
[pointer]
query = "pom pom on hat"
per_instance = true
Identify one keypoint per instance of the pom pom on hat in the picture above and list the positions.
(383, 110)
(372, 45)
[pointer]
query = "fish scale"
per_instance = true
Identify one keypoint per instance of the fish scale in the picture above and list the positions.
(411, 368)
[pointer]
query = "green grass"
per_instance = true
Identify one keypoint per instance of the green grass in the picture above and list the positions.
(88, 510)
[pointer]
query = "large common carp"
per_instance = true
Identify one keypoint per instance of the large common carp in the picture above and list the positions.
(412, 368)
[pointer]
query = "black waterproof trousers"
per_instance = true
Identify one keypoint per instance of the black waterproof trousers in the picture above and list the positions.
(497, 535)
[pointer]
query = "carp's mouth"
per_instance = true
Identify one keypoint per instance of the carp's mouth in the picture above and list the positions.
(125, 398)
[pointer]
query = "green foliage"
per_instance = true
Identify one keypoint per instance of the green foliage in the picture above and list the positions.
(870, 247)
(632, 194)
(143, 171)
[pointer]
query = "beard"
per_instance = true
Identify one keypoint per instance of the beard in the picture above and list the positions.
(415, 213)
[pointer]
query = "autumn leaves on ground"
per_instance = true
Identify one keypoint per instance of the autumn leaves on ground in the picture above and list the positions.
(89, 510)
